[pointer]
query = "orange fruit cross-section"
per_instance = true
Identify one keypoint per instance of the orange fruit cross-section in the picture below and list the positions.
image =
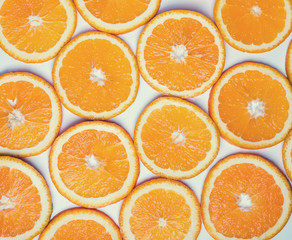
(96, 76)
(117, 16)
(252, 105)
(175, 138)
(35, 30)
(94, 164)
(81, 223)
(180, 53)
(289, 62)
(160, 209)
(25, 201)
(245, 197)
(254, 25)
(287, 155)
(30, 114)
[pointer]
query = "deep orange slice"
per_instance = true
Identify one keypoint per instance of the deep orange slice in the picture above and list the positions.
(245, 197)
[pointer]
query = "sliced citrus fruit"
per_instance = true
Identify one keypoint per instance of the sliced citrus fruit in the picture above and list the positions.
(81, 223)
(181, 53)
(30, 114)
(175, 138)
(254, 25)
(289, 62)
(94, 164)
(35, 30)
(25, 200)
(287, 155)
(160, 209)
(252, 105)
(245, 197)
(117, 16)
(94, 83)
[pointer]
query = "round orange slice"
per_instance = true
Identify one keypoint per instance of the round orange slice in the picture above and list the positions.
(175, 138)
(181, 53)
(254, 25)
(245, 197)
(25, 200)
(287, 155)
(94, 164)
(81, 223)
(30, 114)
(96, 76)
(252, 105)
(289, 62)
(160, 209)
(117, 16)
(35, 30)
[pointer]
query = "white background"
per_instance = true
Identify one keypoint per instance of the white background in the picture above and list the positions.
(274, 58)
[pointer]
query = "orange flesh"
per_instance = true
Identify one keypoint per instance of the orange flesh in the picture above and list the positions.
(81, 229)
(266, 197)
(34, 104)
(17, 186)
(14, 19)
(113, 163)
(199, 65)
(243, 88)
(160, 204)
(250, 29)
(87, 94)
(112, 11)
(163, 150)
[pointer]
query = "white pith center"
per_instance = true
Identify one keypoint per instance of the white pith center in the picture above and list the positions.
(256, 11)
(98, 76)
(244, 202)
(15, 118)
(178, 138)
(92, 161)
(35, 21)
(179, 53)
(256, 108)
(162, 222)
(6, 203)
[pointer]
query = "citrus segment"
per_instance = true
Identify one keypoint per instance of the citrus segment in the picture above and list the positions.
(245, 197)
(254, 26)
(181, 53)
(94, 164)
(117, 17)
(289, 62)
(287, 155)
(92, 82)
(245, 102)
(35, 30)
(81, 223)
(30, 114)
(160, 209)
(25, 201)
(175, 138)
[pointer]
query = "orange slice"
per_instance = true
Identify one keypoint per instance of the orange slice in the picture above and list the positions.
(94, 164)
(289, 62)
(175, 138)
(117, 16)
(30, 114)
(181, 53)
(254, 25)
(287, 155)
(245, 197)
(35, 30)
(252, 105)
(94, 83)
(160, 209)
(81, 223)
(25, 200)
